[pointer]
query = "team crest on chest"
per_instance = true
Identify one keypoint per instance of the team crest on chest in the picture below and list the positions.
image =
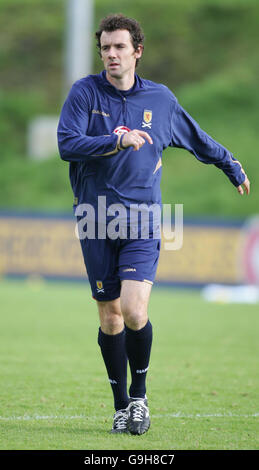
(147, 118)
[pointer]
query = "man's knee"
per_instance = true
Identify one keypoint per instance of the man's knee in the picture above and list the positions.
(134, 303)
(111, 318)
(135, 319)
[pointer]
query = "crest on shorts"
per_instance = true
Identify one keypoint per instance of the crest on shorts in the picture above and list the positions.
(99, 286)
(147, 118)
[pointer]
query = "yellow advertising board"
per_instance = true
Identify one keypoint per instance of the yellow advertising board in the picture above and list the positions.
(48, 246)
(208, 254)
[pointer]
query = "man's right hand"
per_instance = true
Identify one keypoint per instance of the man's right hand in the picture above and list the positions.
(135, 139)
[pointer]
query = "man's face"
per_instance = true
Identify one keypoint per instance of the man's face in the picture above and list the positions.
(118, 54)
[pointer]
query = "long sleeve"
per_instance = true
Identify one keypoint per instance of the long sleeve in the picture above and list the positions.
(187, 134)
(73, 142)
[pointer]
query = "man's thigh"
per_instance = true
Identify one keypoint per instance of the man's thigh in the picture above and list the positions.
(110, 262)
(101, 259)
(138, 260)
(135, 298)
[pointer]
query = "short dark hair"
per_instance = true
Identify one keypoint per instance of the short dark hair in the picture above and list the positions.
(117, 21)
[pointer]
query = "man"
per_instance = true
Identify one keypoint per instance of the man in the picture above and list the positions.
(113, 128)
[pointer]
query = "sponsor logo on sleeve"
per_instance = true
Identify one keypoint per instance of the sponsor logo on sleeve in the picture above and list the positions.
(121, 130)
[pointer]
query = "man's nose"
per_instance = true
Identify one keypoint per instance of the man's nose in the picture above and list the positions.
(112, 52)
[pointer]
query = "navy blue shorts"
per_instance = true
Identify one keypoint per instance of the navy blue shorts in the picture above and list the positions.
(108, 262)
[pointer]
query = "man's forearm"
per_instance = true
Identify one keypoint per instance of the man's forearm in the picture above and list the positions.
(77, 147)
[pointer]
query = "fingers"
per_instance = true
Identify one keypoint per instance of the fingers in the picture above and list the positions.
(240, 190)
(136, 139)
(145, 135)
(138, 142)
(246, 185)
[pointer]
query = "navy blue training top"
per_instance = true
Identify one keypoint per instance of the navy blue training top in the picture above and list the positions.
(92, 121)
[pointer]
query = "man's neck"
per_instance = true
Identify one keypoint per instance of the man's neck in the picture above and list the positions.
(124, 83)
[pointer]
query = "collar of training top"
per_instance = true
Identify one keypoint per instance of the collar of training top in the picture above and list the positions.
(138, 85)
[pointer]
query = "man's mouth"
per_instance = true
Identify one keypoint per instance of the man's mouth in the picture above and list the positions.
(113, 64)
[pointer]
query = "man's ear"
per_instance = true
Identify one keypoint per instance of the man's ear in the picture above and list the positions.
(138, 51)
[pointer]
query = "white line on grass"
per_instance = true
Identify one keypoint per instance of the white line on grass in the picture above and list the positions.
(94, 418)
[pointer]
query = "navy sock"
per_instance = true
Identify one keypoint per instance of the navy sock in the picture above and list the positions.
(138, 347)
(115, 358)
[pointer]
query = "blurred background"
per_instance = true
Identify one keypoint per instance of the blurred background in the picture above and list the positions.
(206, 52)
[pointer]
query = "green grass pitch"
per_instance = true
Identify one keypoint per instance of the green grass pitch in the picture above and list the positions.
(202, 382)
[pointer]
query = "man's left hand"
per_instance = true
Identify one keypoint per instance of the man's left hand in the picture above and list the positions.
(246, 185)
